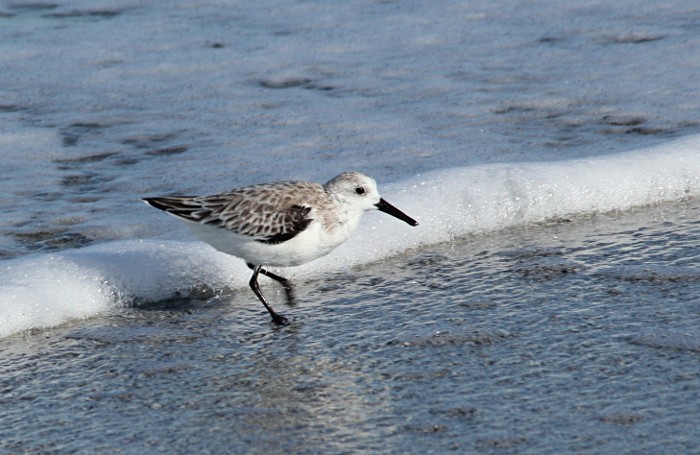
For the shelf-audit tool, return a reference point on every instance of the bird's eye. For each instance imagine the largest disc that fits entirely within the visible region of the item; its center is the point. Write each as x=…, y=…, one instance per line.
x=360, y=190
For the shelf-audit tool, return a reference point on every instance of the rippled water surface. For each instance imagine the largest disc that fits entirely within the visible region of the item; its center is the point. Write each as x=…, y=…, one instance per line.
x=106, y=101
x=576, y=335
x=579, y=335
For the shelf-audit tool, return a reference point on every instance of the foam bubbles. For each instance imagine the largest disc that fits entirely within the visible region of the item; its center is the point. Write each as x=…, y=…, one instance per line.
x=458, y=201
x=46, y=290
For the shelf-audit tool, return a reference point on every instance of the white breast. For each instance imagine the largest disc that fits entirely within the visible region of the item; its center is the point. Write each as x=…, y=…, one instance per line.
x=315, y=241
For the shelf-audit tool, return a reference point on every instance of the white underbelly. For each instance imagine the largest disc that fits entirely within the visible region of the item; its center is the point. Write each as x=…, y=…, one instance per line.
x=308, y=245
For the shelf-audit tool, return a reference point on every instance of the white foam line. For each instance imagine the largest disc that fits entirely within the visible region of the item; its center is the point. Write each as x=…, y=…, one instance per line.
x=46, y=290
x=454, y=202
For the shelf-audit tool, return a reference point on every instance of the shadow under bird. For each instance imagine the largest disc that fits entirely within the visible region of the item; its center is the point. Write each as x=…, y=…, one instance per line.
x=280, y=224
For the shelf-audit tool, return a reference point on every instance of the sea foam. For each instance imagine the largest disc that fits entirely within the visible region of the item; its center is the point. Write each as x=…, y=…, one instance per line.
x=49, y=289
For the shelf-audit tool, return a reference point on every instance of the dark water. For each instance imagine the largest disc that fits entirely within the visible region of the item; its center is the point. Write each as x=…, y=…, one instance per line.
x=579, y=335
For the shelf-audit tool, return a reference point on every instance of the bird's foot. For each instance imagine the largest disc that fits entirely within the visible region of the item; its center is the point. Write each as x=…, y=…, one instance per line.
x=280, y=320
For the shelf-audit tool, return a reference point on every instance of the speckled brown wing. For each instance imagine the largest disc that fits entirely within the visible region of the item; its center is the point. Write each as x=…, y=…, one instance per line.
x=269, y=213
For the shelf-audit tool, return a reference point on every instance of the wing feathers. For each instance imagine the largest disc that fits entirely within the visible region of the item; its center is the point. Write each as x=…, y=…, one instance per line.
x=271, y=216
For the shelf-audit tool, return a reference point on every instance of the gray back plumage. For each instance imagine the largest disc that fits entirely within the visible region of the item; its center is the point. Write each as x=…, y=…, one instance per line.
x=270, y=213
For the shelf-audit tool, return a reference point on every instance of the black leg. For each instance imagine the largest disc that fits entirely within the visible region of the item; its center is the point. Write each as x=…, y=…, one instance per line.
x=286, y=284
x=276, y=318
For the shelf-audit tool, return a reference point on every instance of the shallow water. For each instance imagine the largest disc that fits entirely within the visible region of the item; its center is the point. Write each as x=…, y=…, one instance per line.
x=577, y=335
x=106, y=101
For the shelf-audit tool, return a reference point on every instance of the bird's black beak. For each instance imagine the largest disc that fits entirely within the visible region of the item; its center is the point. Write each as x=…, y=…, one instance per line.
x=385, y=207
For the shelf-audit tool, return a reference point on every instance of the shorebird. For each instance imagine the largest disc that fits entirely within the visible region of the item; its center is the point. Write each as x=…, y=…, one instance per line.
x=280, y=224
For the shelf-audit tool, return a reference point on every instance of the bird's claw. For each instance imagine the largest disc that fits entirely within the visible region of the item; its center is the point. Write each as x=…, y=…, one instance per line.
x=280, y=320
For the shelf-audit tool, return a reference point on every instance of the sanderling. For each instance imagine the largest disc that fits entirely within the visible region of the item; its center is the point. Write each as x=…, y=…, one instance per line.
x=280, y=224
